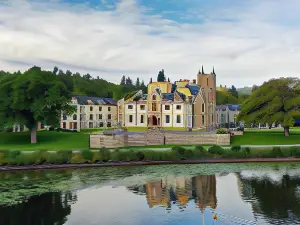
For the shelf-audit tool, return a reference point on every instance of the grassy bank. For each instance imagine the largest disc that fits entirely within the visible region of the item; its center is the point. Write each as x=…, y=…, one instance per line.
x=47, y=140
x=19, y=158
x=267, y=137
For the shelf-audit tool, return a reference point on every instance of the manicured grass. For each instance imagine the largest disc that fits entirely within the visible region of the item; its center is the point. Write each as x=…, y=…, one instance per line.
x=266, y=137
x=141, y=129
x=47, y=140
x=293, y=130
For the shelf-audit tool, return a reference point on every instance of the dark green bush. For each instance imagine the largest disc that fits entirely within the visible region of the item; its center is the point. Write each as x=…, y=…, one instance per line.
x=221, y=131
x=87, y=154
x=140, y=156
x=247, y=150
x=217, y=150
x=295, y=151
x=236, y=148
x=199, y=148
x=104, y=155
x=180, y=150
x=51, y=129
x=276, y=152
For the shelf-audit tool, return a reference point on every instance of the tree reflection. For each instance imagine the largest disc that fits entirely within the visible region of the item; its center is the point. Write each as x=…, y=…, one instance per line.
x=276, y=200
x=46, y=209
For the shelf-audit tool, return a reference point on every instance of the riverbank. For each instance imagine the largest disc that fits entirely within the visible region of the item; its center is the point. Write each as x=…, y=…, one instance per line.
x=144, y=163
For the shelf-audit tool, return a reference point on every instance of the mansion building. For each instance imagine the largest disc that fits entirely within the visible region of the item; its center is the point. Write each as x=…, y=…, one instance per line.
x=91, y=112
x=186, y=104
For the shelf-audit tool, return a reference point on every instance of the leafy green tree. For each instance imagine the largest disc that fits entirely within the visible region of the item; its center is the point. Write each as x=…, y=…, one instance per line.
x=233, y=91
x=161, y=76
x=277, y=100
x=33, y=96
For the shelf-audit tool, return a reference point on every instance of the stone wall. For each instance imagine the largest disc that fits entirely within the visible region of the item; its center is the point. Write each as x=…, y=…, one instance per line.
x=158, y=138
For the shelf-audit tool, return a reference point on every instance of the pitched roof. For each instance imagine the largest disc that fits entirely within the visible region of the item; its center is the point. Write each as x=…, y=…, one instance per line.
x=234, y=107
x=85, y=100
x=194, y=89
x=168, y=96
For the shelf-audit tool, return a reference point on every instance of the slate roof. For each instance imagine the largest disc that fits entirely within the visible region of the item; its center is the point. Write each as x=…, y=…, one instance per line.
x=83, y=100
x=221, y=107
x=168, y=96
x=234, y=107
x=194, y=89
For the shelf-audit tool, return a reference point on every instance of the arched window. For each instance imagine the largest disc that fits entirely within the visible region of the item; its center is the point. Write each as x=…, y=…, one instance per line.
x=74, y=117
x=153, y=97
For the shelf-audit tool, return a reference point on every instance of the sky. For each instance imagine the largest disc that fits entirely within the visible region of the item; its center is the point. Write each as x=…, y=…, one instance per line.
x=247, y=42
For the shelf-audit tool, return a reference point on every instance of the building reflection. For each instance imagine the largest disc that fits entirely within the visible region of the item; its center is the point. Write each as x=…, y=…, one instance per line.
x=180, y=191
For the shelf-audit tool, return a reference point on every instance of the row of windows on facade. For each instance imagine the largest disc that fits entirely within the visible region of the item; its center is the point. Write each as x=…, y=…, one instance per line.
x=100, y=117
x=100, y=108
x=167, y=107
x=167, y=119
x=91, y=125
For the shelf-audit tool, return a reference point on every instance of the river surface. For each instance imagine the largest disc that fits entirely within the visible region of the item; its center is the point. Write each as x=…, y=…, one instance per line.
x=148, y=195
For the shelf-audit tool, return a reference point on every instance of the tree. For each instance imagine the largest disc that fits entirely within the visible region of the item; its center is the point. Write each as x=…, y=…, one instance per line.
x=150, y=80
x=233, y=91
x=128, y=81
x=276, y=101
x=161, y=76
x=143, y=87
x=123, y=80
x=31, y=97
x=137, y=83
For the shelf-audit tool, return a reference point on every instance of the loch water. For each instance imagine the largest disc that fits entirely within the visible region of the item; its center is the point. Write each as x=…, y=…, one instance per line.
x=210, y=194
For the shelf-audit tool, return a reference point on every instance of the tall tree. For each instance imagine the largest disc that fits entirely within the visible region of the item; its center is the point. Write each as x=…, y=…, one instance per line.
x=276, y=101
x=143, y=87
x=32, y=97
x=128, y=81
x=161, y=76
x=150, y=80
x=123, y=80
x=233, y=91
x=137, y=83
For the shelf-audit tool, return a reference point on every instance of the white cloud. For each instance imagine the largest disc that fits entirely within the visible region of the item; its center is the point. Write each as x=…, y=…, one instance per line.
x=263, y=43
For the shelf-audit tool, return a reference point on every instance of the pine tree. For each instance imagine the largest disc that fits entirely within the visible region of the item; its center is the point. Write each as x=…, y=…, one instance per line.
x=123, y=80
x=128, y=81
x=161, y=76
x=137, y=83
x=143, y=87
x=150, y=80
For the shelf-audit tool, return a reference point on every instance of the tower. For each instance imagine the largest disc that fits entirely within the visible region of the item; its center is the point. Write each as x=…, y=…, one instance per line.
x=207, y=82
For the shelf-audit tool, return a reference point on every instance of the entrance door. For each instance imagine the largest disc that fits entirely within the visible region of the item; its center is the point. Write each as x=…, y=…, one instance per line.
x=154, y=121
x=70, y=125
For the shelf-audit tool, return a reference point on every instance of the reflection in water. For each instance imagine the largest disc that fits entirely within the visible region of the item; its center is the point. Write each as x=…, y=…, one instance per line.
x=46, y=209
x=146, y=196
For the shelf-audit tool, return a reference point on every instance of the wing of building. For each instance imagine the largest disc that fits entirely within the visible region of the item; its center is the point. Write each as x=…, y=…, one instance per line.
x=91, y=112
x=184, y=103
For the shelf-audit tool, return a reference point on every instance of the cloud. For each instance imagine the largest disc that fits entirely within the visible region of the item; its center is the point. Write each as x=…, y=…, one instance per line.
x=247, y=43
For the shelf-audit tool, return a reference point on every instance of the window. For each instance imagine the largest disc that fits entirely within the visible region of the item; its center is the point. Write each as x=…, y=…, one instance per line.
x=167, y=107
x=100, y=124
x=100, y=116
x=100, y=108
x=64, y=117
x=130, y=106
x=109, y=116
x=74, y=117
x=178, y=107
x=90, y=125
x=178, y=119
x=108, y=109
x=154, y=97
x=91, y=116
x=142, y=107
x=207, y=81
x=203, y=107
x=130, y=118
x=154, y=107
x=203, y=120
x=167, y=119
x=142, y=118
x=91, y=108
x=75, y=125
x=64, y=125
x=108, y=124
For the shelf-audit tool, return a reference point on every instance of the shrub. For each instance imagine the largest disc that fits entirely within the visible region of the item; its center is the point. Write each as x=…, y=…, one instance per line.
x=87, y=154
x=295, y=151
x=9, y=129
x=64, y=155
x=236, y=148
x=276, y=151
x=77, y=158
x=14, y=154
x=179, y=150
x=217, y=150
x=247, y=150
x=235, y=155
x=221, y=131
x=104, y=155
x=199, y=148
x=140, y=156
x=51, y=129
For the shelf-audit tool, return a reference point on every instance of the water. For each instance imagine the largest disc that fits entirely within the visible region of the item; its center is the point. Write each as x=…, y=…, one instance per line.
x=147, y=195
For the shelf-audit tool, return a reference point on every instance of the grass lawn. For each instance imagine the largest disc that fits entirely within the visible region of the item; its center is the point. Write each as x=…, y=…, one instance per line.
x=267, y=137
x=141, y=129
x=47, y=140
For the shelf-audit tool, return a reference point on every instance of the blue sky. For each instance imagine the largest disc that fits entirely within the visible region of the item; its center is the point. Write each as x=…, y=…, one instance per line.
x=247, y=42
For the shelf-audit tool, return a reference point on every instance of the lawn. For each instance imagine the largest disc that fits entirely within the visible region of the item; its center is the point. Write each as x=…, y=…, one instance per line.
x=267, y=137
x=47, y=140
x=141, y=129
